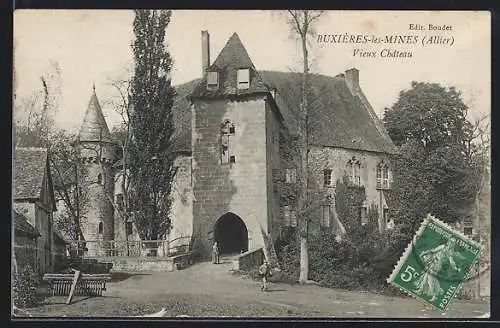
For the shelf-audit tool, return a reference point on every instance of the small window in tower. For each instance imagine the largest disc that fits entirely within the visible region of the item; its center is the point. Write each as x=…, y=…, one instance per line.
x=327, y=178
x=212, y=80
x=99, y=178
x=119, y=201
x=286, y=216
x=231, y=129
x=129, y=228
x=100, y=227
x=232, y=159
x=243, y=78
x=293, y=218
x=291, y=176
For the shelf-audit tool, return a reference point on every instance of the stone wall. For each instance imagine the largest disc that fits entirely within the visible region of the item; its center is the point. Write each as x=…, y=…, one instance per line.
x=249, y=260
x=145, y=264
x=98, y=207
x=181, y=213
x=273, y=165
x=240, y=188
x=336, y=159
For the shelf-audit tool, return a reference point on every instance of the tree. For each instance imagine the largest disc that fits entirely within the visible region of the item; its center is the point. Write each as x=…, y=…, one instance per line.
x=151, y=122
x=301, y=23
x=34, y=114
x=433, y=172
x=34, y=127
x=68, y=175
x=120, y=102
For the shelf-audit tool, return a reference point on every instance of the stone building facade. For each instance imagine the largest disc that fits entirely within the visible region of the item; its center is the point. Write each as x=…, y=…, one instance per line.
x=234, y=126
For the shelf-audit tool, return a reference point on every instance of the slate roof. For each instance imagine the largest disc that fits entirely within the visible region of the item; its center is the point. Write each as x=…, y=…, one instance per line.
x=58, y=238
x=22, y=225
x=67, y=178
x=337, y=118
x=231, y=58
x=29, y=166
x=182, y=114
x=94, y=127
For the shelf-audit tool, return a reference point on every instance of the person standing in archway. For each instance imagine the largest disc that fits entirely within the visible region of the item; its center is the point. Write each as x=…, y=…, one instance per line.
x=215, y=253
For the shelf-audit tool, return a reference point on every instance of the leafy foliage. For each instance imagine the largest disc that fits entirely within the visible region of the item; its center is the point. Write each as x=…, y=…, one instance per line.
x=68, y=177
x=34, y=126
x=363, y=260
x=433, y=172
x=25, y=288
x=151, y=122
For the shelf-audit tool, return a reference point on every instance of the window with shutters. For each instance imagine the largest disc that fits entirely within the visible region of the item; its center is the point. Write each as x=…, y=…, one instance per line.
x=353, y=169
x=243, y=78
x=212, y=80
x=383, y=176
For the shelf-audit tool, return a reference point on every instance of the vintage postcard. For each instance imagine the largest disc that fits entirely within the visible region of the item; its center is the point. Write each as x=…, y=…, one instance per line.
x=294, y=163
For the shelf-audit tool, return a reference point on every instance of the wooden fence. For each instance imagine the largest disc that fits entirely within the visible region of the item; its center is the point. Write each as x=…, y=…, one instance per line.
x=130, y=248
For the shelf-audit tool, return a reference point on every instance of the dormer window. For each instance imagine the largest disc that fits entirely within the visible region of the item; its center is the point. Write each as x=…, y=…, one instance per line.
x=212, y=80
x=243, y=78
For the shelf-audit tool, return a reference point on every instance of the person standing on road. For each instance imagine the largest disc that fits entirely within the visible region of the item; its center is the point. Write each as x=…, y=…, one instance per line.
x=265, y=273
x=215, y=253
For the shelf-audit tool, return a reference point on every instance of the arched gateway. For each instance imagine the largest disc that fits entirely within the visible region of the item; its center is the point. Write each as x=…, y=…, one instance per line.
x=231, y=234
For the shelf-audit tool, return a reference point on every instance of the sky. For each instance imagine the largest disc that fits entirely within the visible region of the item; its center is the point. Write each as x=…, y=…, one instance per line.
x=93, y=46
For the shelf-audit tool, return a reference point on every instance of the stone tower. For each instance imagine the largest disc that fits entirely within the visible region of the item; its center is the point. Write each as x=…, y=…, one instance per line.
x=98, y=151
x=235, y=125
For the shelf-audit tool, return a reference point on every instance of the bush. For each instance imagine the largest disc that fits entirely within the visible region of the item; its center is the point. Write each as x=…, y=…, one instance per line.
x=353, y=265
x=362, y=260
x=25, y=288
x=289, y=260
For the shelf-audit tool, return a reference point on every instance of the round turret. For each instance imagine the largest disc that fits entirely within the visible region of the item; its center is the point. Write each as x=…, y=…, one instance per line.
x=98, y=152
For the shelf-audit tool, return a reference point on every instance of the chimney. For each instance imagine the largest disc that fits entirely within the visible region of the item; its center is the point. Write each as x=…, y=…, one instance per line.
x=205, y=51
x=352, y=80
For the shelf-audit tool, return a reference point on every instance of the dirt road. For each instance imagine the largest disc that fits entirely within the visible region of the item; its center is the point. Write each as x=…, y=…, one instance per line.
x=210, y=290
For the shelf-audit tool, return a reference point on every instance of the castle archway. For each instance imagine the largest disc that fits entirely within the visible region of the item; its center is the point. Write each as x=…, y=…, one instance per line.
x=231, y=234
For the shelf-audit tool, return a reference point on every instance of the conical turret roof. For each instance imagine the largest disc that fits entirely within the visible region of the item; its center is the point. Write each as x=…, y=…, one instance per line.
x=94, y=127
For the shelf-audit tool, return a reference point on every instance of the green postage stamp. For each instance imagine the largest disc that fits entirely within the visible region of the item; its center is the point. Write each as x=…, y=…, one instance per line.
x=435, y=263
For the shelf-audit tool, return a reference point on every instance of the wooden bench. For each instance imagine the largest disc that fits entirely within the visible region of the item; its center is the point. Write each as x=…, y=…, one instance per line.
x=86, y=284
